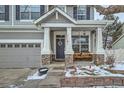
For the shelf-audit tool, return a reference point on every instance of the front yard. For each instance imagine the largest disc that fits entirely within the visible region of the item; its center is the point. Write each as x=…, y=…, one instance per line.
x=79, y=76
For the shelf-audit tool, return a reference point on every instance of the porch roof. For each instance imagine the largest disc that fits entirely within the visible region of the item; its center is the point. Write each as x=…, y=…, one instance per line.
x=56, y=9
x=74, y=22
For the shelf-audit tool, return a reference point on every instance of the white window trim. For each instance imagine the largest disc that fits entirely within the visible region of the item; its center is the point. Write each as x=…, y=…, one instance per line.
x=27, y=20
x=58, y=33
x=2, y=20
x=80, y=14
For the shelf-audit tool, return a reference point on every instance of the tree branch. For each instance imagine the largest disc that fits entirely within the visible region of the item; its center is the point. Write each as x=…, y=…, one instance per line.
x=109, y=10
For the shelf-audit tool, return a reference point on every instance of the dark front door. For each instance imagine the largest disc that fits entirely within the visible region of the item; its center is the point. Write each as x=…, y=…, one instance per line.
x=60, y=45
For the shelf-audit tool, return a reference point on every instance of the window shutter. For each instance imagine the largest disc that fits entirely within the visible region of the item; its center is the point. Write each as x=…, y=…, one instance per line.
x=88, y=13
x=17, y=12
x=6, y=12
x=75, y=13
x=42, y=9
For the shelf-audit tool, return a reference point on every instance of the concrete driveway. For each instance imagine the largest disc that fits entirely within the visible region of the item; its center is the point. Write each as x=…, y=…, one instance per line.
x=13, y=77
x=17, y=78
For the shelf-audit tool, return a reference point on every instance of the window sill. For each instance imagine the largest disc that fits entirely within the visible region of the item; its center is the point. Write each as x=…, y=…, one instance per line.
x=2, y=21
x=26, y=20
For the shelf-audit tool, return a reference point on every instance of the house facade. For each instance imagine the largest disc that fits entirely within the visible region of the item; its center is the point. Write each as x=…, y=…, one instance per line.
x=36, y=35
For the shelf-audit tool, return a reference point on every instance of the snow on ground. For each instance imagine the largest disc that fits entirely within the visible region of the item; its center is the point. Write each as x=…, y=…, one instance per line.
x=118, y=66
x=13, y=86
x=35, y=76
x=90, y=71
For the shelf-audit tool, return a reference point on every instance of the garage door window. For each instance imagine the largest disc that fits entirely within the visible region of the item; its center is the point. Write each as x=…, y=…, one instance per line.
x=16, y=45
x=23, y=45
x=30, y=45
x=9, y=45
x=2, y=45
x=37, y=45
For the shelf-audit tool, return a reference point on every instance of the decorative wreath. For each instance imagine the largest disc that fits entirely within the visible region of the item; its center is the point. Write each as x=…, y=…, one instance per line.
x=60, y=43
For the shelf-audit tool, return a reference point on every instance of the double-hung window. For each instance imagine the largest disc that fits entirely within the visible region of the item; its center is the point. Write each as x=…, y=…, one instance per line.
x=29, y=12
x=4, y=12
x=80, y=43
x=79, y=12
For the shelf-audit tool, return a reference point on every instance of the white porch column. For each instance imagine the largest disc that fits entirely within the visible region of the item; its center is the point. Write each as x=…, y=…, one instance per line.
x=99, y=42
x=47, y=45
x=99, y=56
x=68, y=48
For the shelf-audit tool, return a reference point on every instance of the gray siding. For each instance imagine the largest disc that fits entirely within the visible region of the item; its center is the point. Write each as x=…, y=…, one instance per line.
x=119, y=44
x=52, y=19
x=69, y=10
x=19, y=22
x=21, y=35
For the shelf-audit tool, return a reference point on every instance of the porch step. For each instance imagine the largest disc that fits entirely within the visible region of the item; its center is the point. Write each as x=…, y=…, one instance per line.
x=50, y=82
x=56, y=71
x=84, y=63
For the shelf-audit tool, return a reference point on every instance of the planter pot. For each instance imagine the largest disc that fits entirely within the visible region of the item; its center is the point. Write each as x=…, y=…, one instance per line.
x=42, y=71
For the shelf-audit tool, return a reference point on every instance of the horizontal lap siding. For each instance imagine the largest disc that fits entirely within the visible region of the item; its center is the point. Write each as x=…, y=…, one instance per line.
x=20, y=35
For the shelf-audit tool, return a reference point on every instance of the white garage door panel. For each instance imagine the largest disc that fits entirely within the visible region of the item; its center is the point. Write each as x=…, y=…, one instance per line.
x=19, y=52
x=20, y=57
x=19, y=61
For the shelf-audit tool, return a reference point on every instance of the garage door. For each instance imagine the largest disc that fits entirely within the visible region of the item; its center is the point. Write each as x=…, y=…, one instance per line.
x=19, y=55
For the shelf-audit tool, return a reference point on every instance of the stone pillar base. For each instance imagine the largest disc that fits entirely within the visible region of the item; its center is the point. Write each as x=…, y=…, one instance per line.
x=99, y=59
x=53, y=58
x=69, y=60
x=46, y=59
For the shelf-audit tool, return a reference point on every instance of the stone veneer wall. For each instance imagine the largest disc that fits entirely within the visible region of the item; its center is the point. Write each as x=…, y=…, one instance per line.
x=69, y=60
x=99, y=59
x=46, y=59
x=91, y=81
x=53, y=57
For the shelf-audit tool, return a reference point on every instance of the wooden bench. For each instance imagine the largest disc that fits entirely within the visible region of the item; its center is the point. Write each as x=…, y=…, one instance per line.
x=83, y=56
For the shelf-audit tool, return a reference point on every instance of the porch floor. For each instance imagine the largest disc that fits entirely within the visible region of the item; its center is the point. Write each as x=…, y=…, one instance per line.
x=62, y=64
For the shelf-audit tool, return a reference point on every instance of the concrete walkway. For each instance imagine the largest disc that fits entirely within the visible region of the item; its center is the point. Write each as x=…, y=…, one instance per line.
x=17, y=77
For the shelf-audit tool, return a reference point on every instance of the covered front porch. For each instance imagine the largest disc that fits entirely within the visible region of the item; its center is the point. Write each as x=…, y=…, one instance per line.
x=65, y=39
x=71, y=44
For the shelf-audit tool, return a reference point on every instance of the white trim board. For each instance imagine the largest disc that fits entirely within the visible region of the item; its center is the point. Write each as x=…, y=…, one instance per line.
x=21, y=41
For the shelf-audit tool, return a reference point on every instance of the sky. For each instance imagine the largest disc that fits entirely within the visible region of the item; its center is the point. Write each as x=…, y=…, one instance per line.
x=120, y=15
